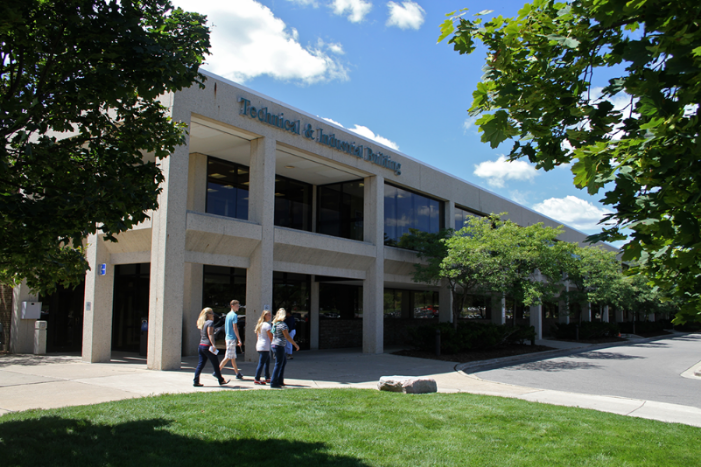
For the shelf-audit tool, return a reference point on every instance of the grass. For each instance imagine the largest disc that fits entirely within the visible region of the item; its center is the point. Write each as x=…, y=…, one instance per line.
x=340, y=427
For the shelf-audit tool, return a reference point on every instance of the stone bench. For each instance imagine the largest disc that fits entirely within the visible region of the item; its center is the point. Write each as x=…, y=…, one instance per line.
x=407, y=384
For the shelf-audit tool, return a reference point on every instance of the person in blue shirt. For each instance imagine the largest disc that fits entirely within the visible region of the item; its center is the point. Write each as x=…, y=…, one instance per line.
x=232, y=338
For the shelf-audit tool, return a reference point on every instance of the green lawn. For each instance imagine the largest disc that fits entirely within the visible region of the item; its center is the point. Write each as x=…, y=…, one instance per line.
x=340, y=427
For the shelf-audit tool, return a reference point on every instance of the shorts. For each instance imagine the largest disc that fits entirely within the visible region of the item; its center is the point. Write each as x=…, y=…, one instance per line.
x=230, y=349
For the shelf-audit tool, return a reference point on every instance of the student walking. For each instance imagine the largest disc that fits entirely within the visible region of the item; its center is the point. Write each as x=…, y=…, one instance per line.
x=265, y=337
x=232, y=338
x=280, y=337
x=204, y=324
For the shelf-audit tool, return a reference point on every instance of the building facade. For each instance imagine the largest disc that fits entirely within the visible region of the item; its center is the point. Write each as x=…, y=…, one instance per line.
x=270, y=205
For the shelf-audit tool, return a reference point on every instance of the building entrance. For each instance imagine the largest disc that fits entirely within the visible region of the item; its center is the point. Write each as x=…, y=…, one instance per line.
x=130, y=304
x=63, y=313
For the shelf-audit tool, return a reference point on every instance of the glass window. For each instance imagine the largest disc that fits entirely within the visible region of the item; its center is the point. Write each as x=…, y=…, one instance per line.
x=340, y=210
x=461, y=216
x=408, y=304
x=293, y=204
x=227, y=189
x=406, y=210
x=221, y=285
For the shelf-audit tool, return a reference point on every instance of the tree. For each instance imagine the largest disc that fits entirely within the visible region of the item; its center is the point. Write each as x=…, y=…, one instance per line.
x=539, y=90
x=79, y=83
x=489, y=255
x=594, y=273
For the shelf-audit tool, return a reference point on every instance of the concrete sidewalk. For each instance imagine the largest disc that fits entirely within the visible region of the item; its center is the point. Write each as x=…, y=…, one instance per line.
x=30, y=381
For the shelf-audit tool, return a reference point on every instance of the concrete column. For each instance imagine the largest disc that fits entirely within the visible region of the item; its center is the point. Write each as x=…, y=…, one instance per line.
x=97, y=305
x=21, y=330
x=314, y=316
x=445, y=303
x=586, y=312
x=167, y=282
x=536, y=318
x=651, y=317
x=499, y=309
x=373, y=285
x=449, y=207
x=261, y=210
x=197, y=183
x=192, y=299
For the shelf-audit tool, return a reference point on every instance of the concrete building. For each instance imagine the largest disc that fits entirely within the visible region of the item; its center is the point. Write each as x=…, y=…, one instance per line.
x=268, y=204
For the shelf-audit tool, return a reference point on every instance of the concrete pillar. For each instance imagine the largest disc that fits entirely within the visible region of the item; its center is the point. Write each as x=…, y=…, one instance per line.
x=605, y=314
x=21, y=330
x=536, y=320
x=586, y=312
x=449, y=211
x=97, y=304
x=314, y=316
x=261, y=210
x=499, y=309
x=192, y=299
x=167, y=282
x=373, y=285
x=651, y=317
x=197, y=183
x=445, y=303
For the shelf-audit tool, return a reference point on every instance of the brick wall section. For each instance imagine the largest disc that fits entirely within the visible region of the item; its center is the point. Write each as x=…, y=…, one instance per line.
x=5, y=315
x=346, y=333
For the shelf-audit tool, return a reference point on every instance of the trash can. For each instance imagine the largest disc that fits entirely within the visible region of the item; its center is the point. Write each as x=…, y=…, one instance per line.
x=143, y=343
x=40, y=328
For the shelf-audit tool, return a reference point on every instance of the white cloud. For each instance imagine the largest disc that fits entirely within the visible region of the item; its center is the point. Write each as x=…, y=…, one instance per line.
x=572, y=211
x=249, y=41
x=355, y=9
x=408, y=15
x=312, y=3
x=368, y=133
x=497, y=171
x=468, y=123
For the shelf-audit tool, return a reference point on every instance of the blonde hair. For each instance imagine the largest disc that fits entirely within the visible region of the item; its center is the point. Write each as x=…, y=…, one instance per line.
x=280, y=315
x=203, y=317
x=261, y=320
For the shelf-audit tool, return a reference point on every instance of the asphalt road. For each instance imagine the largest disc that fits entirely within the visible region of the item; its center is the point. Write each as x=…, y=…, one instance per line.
x=649, y=371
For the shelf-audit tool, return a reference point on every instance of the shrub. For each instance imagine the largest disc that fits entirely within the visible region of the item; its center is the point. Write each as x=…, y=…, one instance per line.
x=587, y=330
x=644, y=327
x=469, y=336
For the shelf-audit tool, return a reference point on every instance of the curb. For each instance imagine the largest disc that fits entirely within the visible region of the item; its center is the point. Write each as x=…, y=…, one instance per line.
x=535, y=356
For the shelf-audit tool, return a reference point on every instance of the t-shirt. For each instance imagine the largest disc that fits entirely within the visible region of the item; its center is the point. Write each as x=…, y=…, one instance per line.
x=231, y=319
x=263, y=343
x=278, y=335
x=204, y=339
x=290, y=322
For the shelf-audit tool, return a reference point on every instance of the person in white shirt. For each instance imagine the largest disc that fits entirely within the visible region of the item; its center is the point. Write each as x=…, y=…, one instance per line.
x=264, y=335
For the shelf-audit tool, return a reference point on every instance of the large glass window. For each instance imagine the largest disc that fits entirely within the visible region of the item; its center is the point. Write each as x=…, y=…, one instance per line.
x=406, y=210
x=461, y=216
x=293, y=293
x=340, y=210
x=222, y=285
x=410, y=304
x=293, y=203
x=129, y=304
x=227, y=188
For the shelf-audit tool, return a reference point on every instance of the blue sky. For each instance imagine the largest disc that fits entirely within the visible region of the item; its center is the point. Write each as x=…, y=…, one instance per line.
x=374, y=67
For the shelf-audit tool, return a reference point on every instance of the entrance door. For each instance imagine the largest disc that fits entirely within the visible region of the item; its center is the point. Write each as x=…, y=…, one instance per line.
x=63, y=313
x=130, y=305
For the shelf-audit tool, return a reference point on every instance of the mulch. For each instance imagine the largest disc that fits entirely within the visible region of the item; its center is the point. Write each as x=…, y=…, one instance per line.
x=476, y=355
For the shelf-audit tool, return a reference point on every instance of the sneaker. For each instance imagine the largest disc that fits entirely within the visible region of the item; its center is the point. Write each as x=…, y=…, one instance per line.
x=198, y=385
x=267, y=380
x=224, y=381
x=259, y=382
x=239, y=375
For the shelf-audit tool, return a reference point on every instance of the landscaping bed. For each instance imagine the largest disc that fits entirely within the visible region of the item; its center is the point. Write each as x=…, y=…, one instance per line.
x=476, y=355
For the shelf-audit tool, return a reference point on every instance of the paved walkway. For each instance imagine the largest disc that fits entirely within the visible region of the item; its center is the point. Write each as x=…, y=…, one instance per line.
x=30, y=381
